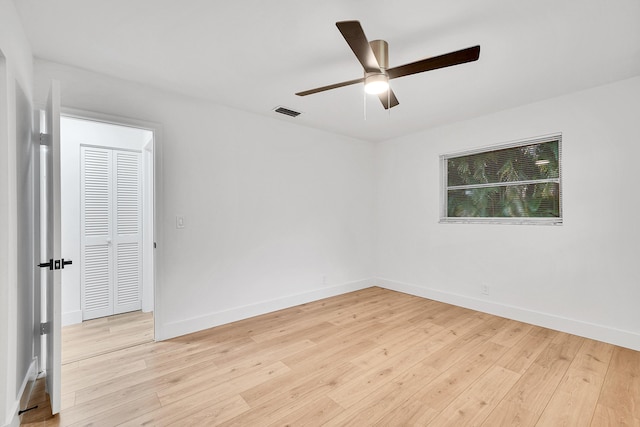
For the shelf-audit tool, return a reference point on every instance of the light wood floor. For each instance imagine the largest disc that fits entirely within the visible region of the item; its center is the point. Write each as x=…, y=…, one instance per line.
x=372, y=357
x=106, y=334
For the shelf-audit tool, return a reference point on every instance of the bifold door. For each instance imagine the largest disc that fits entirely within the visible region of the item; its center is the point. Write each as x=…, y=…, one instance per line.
x=111, y=231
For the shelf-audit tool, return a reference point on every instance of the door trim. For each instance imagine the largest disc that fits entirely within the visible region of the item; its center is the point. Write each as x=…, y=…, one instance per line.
x=156, y=129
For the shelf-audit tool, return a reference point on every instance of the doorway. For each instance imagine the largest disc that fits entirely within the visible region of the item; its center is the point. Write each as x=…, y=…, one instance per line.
x=49, y=212
x=101, y=281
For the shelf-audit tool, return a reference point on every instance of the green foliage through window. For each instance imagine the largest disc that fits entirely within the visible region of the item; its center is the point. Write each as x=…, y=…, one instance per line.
x=517, y=181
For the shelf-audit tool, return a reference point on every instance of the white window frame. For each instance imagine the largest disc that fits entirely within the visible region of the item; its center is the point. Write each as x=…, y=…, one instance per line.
x=444, y=188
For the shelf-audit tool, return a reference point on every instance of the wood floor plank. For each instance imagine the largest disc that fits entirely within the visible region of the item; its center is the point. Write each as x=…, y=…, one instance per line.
x=520, y=357
x=475, y=403
x=281, y=402
x=233, y=381
x=370, y=357
x=261, y=352
x=452, y=382
x=140, y=351
x=620, y=393
x=182, y=377
x=411, y=413
x=387, y=367
x=118, y=414
x=571, y=408
x=154, y=376
x=608, y=417
x=432, y=311
x=450, y=314
x=393, y=346
x=175, y=411
x=459, y=342
x=527, y=399
x=103, y=335
x=78, y=380
x=215, y=413
x=341, y=343
x=301, y=328
x=315, y=413
x=383, y=400
x=511, y=413
x=90, y=412
x=511, y=332
x=331, y=374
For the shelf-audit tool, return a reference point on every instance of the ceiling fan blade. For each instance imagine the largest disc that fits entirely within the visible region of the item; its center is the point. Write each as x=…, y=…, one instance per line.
x=448, y=59
x=354, y=35
x=329, y=87
x=388, y=101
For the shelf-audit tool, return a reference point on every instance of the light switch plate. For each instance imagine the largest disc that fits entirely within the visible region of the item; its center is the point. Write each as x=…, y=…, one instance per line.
x=179, y=221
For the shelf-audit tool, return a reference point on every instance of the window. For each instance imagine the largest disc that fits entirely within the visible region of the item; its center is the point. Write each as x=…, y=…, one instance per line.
x=515, y=183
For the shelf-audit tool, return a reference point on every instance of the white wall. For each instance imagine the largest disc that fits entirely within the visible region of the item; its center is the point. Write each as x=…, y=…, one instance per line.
x=271, y=208
x=27, y=294
x=581, y=277
x=74, y=133
x=15, y=75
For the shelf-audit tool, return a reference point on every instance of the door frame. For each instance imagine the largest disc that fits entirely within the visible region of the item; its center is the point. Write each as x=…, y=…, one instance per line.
x=157, y=259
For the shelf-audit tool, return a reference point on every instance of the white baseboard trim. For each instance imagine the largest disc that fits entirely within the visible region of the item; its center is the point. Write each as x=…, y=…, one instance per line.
x=71, y=317
x=15, y=422
x=603, y=333
x=187, y=326
x=24, y=393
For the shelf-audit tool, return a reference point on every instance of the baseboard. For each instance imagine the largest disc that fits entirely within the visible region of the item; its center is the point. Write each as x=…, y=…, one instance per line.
x=71, y=317
x=183, y=327
x=602, y=333
x=15, y=422
x=24, y=393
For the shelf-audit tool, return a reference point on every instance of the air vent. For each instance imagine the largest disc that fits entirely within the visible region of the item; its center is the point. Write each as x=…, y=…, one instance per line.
x=287, y=112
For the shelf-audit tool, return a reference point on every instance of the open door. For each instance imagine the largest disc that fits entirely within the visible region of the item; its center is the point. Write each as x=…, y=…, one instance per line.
x=53, y=265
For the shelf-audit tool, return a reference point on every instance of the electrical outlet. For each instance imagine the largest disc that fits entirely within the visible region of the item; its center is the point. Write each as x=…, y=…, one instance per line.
x=484, y=289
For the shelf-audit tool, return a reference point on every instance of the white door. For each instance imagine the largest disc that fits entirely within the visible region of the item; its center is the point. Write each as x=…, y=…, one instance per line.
x=127, y=236
x=53, y=265
x=111, y=231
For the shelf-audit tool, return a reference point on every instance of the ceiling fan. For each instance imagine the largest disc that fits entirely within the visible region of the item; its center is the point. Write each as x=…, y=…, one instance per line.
x=374, y=57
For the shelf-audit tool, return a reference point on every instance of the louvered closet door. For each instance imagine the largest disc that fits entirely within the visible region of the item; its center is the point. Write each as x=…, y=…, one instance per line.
x=127, y=232
x=111, y=221
x=95, y=217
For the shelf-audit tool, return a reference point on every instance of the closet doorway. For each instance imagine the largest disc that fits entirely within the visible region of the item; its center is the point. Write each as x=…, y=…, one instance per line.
x=110, y=231
x=107, y=189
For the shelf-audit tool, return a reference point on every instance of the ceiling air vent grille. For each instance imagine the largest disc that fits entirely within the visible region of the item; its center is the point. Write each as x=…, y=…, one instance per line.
x=287, y=111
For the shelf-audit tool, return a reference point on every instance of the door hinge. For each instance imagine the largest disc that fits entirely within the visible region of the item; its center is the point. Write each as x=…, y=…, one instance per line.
x=45, y=328
x=44, y=139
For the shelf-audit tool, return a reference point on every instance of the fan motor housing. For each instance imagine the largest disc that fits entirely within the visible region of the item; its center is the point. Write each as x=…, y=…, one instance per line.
x=381, y=51
x=378, y=81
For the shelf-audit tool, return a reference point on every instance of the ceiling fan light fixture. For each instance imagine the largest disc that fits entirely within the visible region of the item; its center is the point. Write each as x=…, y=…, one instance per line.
x=376, y=83
x=374, y=58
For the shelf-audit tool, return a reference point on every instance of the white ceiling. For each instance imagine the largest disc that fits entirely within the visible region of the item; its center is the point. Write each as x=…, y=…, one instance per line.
x=254, y=54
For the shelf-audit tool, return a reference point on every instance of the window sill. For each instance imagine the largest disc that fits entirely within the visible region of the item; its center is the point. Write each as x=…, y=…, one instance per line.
x=509, y=221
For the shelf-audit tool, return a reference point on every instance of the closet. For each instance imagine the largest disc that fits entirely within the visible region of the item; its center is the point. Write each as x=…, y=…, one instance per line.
x=111, y=231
